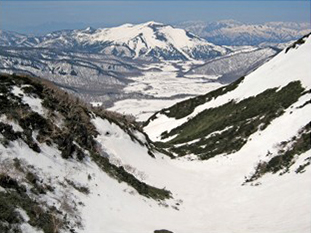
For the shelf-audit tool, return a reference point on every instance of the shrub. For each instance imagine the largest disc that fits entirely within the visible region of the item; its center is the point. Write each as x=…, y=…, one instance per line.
x=79, y=188
x=162, y=231
x=285, y=157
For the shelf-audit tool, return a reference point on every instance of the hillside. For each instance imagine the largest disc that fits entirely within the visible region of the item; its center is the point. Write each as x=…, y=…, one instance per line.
x=225, y=120
x=54, y=153
x=230, y=67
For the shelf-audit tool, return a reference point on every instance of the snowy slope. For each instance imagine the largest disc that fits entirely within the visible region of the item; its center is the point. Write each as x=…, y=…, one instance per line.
x=55, y=152
x=280, y=71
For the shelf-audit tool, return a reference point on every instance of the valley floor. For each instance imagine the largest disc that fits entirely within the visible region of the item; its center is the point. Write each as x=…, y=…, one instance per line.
x=163, y=88
x=208, y=196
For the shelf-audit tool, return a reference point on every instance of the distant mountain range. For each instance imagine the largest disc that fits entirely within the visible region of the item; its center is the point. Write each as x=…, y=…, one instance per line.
x=151, y=40
x=186, y=39
x=232, y=32
x=157, y=41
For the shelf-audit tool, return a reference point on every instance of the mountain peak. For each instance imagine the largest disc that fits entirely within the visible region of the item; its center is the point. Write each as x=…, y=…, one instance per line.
x=153, y=23
x=151, y=40
x=127, y=25
x=89, y=30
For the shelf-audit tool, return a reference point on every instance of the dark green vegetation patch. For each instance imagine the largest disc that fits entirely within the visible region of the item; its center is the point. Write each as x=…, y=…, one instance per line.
x=297, y=43
x=15, y=197
x=121, y=175
x=225, y=129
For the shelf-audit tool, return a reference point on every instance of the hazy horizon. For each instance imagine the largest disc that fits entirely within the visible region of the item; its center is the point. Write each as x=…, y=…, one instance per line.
x=39, y=17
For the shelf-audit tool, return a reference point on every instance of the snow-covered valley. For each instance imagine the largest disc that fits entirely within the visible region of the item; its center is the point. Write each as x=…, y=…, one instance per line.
x=233, y=158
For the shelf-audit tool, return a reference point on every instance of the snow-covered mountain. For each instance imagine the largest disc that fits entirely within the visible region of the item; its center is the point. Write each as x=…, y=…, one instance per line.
x=14, y=39
x=232, y=32
x=66, y=167
x=149, y=40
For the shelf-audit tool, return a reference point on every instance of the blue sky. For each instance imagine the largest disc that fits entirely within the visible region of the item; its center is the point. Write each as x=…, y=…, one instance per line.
x=43, y=16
